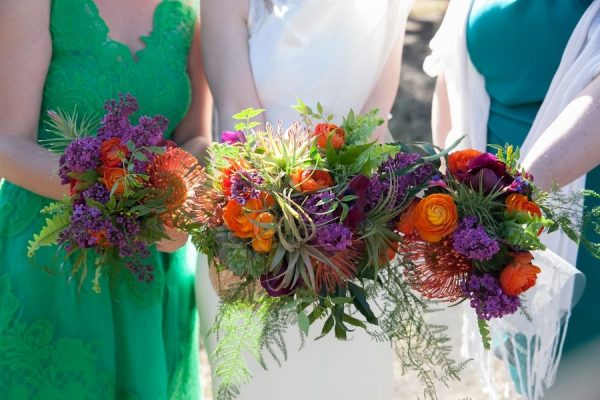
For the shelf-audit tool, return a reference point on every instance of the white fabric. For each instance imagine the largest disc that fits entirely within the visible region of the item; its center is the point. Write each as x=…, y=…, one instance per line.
x=550, y=301
x=332, y=52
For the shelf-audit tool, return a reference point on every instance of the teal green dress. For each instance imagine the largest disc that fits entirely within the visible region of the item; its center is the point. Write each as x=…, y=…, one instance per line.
x=517, y=46
x=133, y=340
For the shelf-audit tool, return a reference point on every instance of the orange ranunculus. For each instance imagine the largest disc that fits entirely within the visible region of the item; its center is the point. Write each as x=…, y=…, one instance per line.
x=516, y=202
x=112, y=152
x=519, y=275
x=112, y=176
x=263, y=237
x=311, y=180
x=406, y=224
x=458, y=162
x=436, y=217
x=323, y=131
x=239, y=218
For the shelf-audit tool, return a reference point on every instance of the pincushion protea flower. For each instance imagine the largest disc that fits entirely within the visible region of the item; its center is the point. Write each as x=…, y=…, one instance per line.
x=343, y=267
x=178, y=174
x=435, y=270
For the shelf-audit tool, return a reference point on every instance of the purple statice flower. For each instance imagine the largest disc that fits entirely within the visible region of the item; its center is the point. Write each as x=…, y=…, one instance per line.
x=319, y=206
x=391, y=175
x=487, y=297
x=375, y=190
x=244, y=186
x=81, y=155
x=148, y=132
x=471, y=240
x=85, y=223
x=97, y=192
x=233, y=137
x=334, y=238
x=116, y=121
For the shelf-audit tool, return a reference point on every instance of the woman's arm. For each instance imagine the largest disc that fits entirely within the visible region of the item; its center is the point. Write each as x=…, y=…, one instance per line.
x=227, y=59
x=194, y=132
x=570, y=147
x=25, y=51
x=440, y=113
x=386, y=88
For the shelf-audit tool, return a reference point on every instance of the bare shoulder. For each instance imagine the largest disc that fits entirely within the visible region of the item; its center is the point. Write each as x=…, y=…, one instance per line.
x=17, y=16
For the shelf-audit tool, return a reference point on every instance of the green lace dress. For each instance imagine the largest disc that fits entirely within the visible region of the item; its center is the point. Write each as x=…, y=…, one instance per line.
x=134, y=341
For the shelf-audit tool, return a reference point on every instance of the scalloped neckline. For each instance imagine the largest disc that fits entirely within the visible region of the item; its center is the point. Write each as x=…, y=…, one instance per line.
x=134, y=56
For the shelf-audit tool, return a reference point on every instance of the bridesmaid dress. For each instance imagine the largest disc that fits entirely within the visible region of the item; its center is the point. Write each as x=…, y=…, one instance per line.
x=333, y=52
x=133, y=340
x=518, y=66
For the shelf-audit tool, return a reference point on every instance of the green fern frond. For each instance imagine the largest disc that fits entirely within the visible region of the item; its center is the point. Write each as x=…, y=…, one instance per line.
x=48, y=236
x=484, y=331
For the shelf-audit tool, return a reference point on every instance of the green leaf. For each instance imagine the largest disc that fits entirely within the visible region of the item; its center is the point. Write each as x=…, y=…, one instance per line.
x=303, y=322
x=353, y=321
x=130, y=146
x=349, y=156
x=484, y=331
x=240, y=126
x=360, y=302
x=138, y=155
x=48, y=236
x=326, y=327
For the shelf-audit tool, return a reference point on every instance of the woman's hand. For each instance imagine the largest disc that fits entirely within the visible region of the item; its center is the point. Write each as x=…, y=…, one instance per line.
x=177, y=239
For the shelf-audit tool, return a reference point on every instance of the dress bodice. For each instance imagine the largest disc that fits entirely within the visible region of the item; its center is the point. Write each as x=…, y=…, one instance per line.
x=89, y=68
x=517, y=46
x=331, y=51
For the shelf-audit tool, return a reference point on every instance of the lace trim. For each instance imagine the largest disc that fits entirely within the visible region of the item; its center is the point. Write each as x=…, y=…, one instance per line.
x=37, y=365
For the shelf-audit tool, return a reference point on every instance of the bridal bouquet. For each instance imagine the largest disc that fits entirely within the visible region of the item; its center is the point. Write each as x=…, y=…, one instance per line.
x=304, y=222
x=127, y=183
x=470, y=235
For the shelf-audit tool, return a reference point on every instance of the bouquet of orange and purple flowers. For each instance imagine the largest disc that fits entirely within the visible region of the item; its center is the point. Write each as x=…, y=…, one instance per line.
x=127, y=183
x=305, y=219
x=470, y=236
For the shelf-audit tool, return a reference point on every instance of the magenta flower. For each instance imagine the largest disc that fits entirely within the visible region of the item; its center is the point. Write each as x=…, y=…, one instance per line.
x=486, y=172
x=233, y=137
x=358, y=186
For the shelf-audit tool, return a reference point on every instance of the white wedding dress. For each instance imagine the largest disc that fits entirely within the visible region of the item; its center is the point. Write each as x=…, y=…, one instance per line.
x=332, y=52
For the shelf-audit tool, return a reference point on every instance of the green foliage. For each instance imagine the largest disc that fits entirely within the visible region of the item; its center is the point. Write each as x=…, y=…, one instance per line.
x=48, y=236
x=66, y=128
x=521, y=229
x=243, y=327
x=421, y=347
x=484, y=331
x=487, y=208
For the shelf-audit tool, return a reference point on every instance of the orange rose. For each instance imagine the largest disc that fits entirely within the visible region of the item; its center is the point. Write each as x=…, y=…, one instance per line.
x=520, y=203
x=458, y=162
x=263, y=237
x=519, y=275
x=112, y=152
x=406, y=224
x=112, y=176
x=311, y=180
x=323, y=131
x=436, y=217
x=239, y=218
